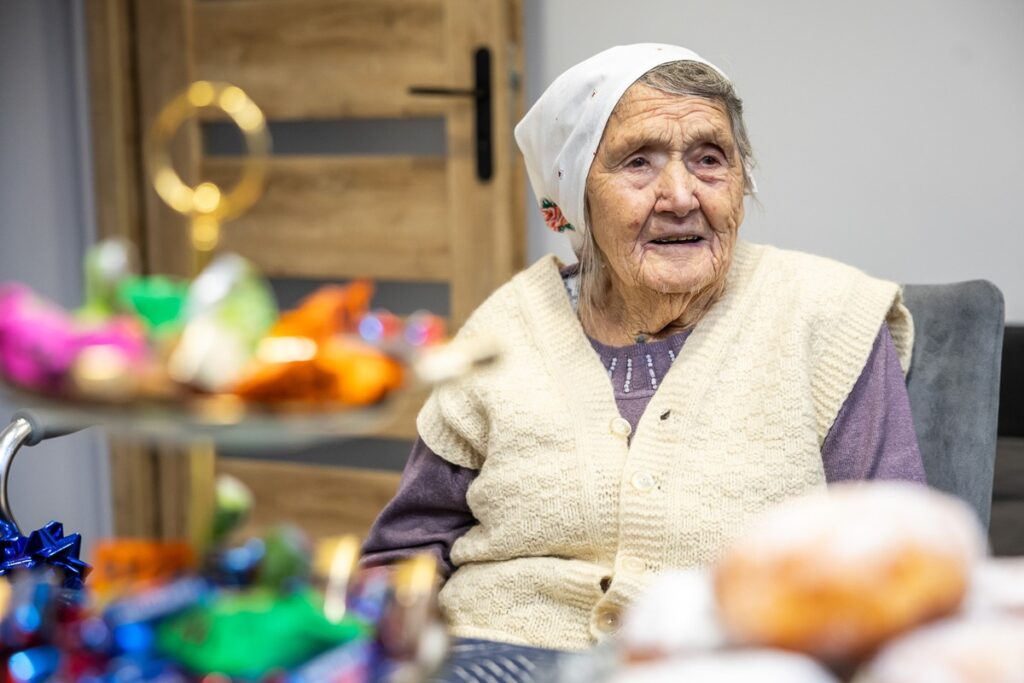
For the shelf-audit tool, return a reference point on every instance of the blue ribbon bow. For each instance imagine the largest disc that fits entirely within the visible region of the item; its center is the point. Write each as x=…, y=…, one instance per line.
x=47, y=546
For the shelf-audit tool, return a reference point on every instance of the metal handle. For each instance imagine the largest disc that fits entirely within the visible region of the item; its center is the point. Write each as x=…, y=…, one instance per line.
x=481, y=94
x=11, y=439
x=26, y=428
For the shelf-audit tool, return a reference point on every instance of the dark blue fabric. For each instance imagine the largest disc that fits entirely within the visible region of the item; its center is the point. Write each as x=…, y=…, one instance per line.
x=485, y=661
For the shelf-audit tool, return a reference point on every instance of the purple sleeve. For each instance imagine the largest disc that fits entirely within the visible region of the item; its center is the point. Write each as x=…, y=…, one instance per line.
x=873, y=435
x=428, y=514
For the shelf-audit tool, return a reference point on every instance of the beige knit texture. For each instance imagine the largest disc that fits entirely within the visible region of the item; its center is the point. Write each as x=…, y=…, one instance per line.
x=563, y=501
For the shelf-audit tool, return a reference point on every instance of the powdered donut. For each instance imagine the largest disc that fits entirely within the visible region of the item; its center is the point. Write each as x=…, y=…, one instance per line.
x=740, y=666
x=675, y=615
x=957, y=651
x=997, y=587
x=835, y=574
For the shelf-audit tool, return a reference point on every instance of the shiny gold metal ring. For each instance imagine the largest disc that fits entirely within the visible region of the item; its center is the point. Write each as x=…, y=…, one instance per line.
x=207, y=204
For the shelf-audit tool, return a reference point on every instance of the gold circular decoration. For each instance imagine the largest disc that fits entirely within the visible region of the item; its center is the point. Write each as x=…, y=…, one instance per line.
x=207, y=204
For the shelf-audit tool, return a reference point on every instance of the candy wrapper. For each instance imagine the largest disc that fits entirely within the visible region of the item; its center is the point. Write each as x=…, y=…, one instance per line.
x=37, y=340
x=201, y=346
x=340, y=370
x=329, y=311
x=127, y=565
x=266, y=608
x=156, y=300
x=107, y=265
x=195, y=626
x=281, y=631
x=233, y=504
x=228, y=309
x=312, y=354
x=40, y=344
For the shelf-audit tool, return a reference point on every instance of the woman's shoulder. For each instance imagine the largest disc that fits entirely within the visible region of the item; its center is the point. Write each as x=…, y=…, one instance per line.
x=836, y=300
x=529, y=287
x=802, y=266
x=817, y=281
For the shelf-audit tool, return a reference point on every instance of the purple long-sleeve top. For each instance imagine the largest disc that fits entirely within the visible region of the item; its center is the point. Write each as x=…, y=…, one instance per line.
x=872, y=438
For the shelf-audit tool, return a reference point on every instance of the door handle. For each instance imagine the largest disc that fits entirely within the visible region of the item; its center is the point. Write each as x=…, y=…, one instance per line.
x=483, y=123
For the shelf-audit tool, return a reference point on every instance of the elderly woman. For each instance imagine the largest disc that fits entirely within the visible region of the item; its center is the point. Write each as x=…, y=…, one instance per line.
x=653, y=398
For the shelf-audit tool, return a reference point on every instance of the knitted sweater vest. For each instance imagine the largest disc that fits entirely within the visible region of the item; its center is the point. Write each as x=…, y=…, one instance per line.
x=574, y=515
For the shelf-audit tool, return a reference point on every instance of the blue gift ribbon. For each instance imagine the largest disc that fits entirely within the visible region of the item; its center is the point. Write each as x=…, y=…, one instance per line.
x=47, y=546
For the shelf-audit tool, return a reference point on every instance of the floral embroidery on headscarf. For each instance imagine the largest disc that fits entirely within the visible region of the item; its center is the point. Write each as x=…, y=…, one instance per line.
x=553, y=216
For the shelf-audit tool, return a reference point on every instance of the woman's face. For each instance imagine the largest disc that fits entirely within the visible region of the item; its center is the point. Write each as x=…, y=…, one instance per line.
x=665, y=191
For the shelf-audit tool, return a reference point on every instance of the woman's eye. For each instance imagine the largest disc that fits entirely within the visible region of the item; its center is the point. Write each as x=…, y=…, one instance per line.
x=637, y=162
x=709, y=160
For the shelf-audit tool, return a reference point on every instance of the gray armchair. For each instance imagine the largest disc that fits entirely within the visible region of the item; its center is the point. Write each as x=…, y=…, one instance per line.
x=954, y=385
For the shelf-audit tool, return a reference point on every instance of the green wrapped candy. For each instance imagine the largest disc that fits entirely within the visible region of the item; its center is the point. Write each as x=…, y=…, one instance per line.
x=249, y=635
x=229, y=309
x=232, y=292
x=286, y=561
x=233, y=504
x=106, y=265
x=157, y=300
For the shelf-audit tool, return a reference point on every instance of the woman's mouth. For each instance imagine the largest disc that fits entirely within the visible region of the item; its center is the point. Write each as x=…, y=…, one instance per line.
x=688, y=239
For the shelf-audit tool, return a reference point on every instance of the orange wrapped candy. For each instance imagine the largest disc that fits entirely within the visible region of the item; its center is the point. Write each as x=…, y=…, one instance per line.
x=326, y=312
x=124, y=564
x=306, y=359
x=361, y=374
x=342, y=371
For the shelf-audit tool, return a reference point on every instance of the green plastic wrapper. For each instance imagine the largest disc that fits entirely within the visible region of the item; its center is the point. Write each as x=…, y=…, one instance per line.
x=287, y=558
x=250, y=309
x=157, y=300
x=233, y=504
x=248, y=635
x=231, y=292
x=229, y=308
x=106, y=266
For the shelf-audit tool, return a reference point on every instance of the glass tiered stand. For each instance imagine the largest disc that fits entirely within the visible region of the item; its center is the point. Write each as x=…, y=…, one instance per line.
x=202, y=421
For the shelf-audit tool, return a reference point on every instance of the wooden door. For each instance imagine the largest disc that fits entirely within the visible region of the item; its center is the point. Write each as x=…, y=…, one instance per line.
x=409, y=218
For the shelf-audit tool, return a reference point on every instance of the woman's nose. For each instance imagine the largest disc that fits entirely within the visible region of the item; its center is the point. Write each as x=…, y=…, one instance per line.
x=676, y=190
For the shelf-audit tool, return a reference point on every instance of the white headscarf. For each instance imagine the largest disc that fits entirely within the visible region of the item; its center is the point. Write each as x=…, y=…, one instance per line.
x=560, y=134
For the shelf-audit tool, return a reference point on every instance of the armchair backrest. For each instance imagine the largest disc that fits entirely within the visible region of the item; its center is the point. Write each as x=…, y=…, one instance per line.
x=954, y=385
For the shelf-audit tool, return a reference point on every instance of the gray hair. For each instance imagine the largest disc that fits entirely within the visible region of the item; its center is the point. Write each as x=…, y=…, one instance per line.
x=691, y=79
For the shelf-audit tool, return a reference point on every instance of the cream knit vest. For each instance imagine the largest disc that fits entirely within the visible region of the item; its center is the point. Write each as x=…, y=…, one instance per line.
x=573, y=518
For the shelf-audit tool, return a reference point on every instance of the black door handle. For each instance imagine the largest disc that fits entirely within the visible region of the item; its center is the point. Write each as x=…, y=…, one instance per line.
x=481, y=94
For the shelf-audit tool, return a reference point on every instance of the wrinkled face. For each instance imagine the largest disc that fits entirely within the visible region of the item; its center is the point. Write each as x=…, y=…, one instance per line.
x=665, y=192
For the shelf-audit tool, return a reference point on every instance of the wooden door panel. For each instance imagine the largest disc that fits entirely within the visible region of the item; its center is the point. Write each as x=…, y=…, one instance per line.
x=325, y=217
x=487, y=230
x=324, y=501
x=303, y=59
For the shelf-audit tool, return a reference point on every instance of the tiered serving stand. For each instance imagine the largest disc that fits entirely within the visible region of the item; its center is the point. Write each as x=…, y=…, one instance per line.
x=198, y=422
x=203, y=422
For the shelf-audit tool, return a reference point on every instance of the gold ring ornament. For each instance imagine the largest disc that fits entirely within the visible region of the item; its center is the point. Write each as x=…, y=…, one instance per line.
x=206, y=204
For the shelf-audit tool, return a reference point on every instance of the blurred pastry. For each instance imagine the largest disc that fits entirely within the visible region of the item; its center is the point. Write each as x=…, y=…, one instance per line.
x=997, y=587
x=836, y=574
x=675, y=615
x=739, y=666
x=957, y=651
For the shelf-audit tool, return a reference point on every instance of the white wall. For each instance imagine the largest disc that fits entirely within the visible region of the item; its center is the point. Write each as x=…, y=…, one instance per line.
x=888, y=132
x=45, y=221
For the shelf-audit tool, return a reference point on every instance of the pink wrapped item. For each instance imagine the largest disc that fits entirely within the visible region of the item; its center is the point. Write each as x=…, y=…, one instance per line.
x=39, y=341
